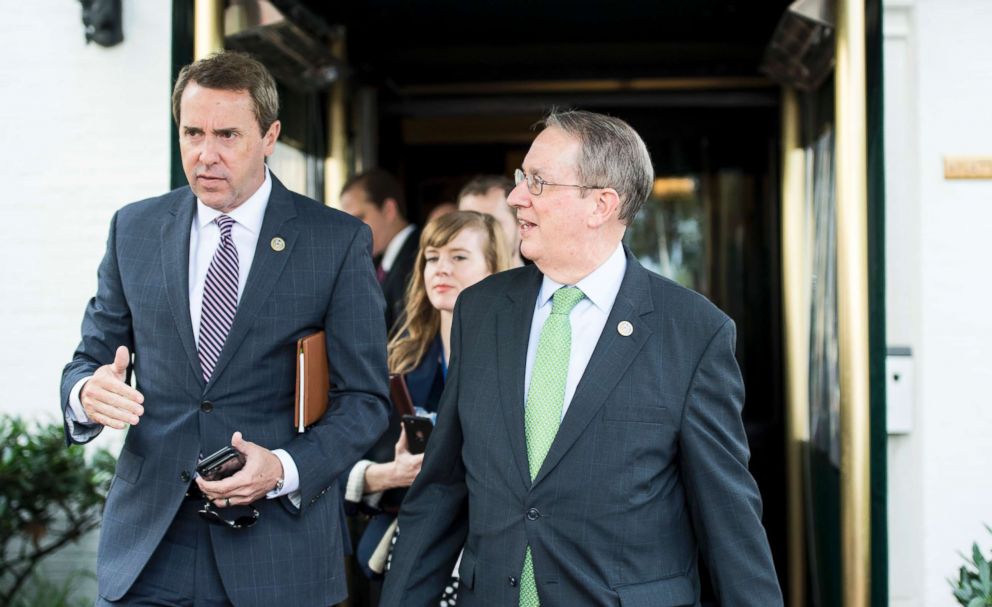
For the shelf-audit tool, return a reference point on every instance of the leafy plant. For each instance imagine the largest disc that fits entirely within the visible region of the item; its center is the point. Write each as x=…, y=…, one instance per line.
x=973, y=588
x=42, y=592
x=49, y=496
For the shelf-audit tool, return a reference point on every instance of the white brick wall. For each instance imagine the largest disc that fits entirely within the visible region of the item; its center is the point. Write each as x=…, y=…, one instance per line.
x=955, y=86
x=938, y=86
x=85, y=130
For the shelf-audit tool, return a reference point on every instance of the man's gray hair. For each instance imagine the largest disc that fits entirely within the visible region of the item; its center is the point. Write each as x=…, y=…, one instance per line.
x=613, y=155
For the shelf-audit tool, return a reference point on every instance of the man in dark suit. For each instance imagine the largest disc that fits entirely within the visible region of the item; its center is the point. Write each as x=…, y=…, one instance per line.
x=589, y=442
x=377, y=198
x=203, y=293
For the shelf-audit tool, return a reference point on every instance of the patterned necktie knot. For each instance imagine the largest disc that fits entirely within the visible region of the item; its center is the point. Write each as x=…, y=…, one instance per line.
x=225, y=223
x=565, y=299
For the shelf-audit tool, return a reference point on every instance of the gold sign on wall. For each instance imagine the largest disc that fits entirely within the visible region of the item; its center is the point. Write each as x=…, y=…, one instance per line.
x=967, y=167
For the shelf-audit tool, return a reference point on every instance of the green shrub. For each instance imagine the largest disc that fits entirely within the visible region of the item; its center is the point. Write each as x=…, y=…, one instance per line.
x=42, y=592
x=973, y=588
x=50, y=496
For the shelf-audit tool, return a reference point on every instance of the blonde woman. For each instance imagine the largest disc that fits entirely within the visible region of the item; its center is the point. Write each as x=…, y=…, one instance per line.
x=456, y=251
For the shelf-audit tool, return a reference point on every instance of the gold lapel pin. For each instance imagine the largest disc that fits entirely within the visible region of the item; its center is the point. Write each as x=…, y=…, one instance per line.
x=625, y=328
x=277, y=244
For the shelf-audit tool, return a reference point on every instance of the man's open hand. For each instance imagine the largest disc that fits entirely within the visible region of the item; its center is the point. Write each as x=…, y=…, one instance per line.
x=107, y=400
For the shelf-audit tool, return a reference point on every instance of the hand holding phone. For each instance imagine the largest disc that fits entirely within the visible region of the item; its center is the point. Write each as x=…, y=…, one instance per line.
x=221, y=464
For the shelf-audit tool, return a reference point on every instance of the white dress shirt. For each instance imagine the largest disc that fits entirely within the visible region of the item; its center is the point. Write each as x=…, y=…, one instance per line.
x=203, y=242
x=588, y=318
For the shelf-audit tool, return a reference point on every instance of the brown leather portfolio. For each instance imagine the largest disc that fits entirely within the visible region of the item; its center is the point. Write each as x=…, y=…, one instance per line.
x=312, y=380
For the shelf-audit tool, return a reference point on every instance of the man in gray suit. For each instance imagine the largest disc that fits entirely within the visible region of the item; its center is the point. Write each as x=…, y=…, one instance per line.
x=203, y=293
x=589, y=442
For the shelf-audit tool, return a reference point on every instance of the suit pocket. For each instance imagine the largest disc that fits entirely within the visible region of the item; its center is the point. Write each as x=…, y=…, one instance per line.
x=466, y=570
x=670, y=592
x=644, y=415
x=129, y=466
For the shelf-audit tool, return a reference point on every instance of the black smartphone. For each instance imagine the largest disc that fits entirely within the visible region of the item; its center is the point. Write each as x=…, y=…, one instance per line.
x=418, y=430
x=221, y=464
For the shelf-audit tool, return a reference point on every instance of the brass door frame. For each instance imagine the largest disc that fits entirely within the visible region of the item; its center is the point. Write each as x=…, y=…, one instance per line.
x=335, y=164
x=850, y=123
x=208, y=27
x=795, y=318
x=850, y=102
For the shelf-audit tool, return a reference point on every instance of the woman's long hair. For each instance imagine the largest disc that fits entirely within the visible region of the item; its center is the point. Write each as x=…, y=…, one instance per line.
x=421, y=320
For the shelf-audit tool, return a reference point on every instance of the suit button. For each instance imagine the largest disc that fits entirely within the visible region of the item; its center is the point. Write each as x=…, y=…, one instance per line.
x=533, y=514
x=513, y=581
x=206, y=406
x=184, y=476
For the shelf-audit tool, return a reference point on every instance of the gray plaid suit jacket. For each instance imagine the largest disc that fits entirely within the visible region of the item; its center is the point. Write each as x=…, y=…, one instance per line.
x=648, y=469
x=323, y=279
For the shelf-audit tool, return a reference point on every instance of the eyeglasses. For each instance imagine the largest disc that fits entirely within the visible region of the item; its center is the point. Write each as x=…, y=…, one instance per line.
x=535, y=185
x=242, y=522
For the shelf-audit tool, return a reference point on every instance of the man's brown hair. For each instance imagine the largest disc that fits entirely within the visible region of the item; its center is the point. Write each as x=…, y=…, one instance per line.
x=378, y=185
x=481, y=184
x=232, y=71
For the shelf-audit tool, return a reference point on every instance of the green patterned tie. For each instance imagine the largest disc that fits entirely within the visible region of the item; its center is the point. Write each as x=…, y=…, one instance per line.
x=545, y=400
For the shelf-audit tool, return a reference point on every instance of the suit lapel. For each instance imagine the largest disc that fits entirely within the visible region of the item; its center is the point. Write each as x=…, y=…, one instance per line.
x=266, y=267
x=512, y=334
x=609, y=362
x=175, y=265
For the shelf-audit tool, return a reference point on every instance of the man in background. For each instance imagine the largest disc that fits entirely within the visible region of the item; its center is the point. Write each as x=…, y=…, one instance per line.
x=376, y=197
x=202, y=294
x=487, y=194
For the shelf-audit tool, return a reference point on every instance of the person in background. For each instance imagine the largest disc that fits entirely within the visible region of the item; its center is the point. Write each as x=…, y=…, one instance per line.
x=456, y=251
x=589, y=447
x=376, y=197
x=202, y=294
x=441, y=208
x=487, y=194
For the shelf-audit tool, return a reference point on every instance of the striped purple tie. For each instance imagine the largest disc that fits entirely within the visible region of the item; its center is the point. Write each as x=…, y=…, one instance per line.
x=220, y=298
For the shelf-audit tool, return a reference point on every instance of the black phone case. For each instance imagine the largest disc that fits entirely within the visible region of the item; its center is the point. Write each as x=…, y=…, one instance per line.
x=220, y=464
x=418, y=430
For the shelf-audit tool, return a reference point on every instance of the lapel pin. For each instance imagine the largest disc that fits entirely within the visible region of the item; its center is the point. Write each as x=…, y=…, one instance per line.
x=277, y=244
x=625, y=328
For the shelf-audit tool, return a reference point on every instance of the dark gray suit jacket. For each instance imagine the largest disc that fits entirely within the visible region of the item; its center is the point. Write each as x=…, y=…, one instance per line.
x=649, y=467
x=394, y=287
x=323, y=279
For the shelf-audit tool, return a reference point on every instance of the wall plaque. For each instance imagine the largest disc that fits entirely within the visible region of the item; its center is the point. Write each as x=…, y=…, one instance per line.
x=967, y=167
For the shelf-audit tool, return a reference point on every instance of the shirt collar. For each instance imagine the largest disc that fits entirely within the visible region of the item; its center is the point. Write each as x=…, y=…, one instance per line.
x=394, y=246
x=600, y=286
x=248, y=214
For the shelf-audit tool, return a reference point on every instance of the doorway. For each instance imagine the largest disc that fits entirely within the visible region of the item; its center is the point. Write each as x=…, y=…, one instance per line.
x=456, y=92
x=446, y=91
